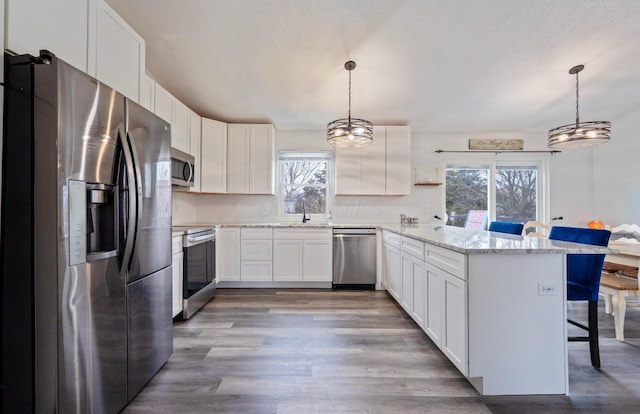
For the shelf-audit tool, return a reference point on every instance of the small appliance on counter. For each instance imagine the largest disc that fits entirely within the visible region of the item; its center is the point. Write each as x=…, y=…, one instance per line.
x=199, y=284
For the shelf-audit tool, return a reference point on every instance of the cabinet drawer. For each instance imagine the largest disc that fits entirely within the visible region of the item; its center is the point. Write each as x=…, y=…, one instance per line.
x=412, y=246
x=176, y=244
x=256, y=250
x=301, y=234
x=451, y=262
x=258, y=233
x=390, y=238
x=256, y=271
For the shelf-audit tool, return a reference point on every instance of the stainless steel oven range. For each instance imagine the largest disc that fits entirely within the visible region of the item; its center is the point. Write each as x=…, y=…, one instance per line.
x=199, y=282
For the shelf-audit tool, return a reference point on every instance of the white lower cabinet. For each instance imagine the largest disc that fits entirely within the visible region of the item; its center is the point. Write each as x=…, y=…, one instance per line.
x=177, y=275
x=434, y=290
x=317, y=260
x=302, y=255
x=419, y=292
x=228, y=254
x=287, y=260
x=393, y=270
x=406, y=295
x=436, y=299
x=454, y=338
x=256, y=254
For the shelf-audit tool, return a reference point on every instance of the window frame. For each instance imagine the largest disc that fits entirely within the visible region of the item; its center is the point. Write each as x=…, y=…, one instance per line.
x=505, y=160
x=309, y=155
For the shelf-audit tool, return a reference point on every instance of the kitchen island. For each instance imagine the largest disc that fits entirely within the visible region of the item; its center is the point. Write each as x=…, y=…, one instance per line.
x=493, y=303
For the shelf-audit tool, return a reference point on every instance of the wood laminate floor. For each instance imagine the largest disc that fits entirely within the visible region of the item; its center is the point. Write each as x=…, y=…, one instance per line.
x=321, y=351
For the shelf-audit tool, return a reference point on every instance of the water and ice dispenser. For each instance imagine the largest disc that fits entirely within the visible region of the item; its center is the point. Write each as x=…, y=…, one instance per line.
x=93, y=221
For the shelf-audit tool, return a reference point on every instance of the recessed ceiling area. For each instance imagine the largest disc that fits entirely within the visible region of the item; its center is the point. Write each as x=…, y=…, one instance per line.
x=490, y=65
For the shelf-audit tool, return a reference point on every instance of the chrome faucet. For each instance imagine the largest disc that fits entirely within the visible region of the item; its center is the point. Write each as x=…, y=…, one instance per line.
x=304, y=212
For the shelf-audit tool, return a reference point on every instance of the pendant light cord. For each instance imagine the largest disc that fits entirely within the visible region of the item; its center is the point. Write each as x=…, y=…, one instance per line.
x=577, y=105
x=349, y=116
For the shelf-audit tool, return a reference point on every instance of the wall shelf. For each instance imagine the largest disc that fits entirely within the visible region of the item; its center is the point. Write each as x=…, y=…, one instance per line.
x=427, y=184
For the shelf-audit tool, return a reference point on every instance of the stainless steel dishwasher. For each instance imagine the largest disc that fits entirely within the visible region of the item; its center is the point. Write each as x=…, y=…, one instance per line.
x=354, y=258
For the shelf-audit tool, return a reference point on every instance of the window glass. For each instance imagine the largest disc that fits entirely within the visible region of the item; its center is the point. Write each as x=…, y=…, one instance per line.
x=501, y=191
x=467, y=190
x=304, y=182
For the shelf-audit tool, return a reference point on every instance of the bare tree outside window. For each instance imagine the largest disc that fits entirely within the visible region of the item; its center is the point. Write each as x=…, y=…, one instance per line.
x=516, y=189
x=304, y=179
x=467, y=189
x=516, y=193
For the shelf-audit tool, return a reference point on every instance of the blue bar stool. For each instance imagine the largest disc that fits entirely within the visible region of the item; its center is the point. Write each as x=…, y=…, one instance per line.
x=583, y=279
x=506, y=227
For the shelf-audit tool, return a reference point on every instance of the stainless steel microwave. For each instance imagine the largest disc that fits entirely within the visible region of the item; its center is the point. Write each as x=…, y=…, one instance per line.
x=183, y=168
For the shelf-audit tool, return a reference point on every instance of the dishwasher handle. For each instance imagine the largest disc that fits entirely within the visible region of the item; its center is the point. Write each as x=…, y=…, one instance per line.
x=348, y=236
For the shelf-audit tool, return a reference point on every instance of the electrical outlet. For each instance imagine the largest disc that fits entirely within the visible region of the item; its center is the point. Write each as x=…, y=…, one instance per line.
x=548, y=289
x=236, y=205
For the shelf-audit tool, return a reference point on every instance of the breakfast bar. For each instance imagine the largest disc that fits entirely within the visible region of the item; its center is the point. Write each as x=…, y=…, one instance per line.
x=493, y=303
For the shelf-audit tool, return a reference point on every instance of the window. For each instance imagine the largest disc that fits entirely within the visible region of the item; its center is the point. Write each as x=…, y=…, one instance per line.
x=304, y=183
x=507, y=190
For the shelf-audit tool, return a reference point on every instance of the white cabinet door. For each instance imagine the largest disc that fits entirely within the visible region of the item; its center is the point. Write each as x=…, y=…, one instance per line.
x=261, y=159
x=256, y=249
x=163, y=103
x=434, y=286
x=394, y=270
x=213, y=157
x=372, y=164
x=228, y=254
x=147, y=93
x=195, y=130
x=119, y=53
x=61, y=27
x=454, y=339
x=406, y=289
x=419, y=290
x=238, y=158
x=398, y=160
x=381, y=168
x=256, y=271
x=180, y=117
x=347, y=168
x=287, y=260
x=316, y=263
x=177, y=282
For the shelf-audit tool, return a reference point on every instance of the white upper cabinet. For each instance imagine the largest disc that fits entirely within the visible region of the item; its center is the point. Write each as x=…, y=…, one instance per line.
x=250, y=158
x=147, y=93
x=163, y=103
x=180, y=119
x=61, y=27
x=213, y=157
x=195, y=132
x=398, y=160
x=380, y=168
x=116, y=53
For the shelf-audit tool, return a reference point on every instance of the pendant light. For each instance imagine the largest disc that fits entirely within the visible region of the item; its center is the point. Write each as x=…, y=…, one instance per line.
x=349, y=132
x=580, y=134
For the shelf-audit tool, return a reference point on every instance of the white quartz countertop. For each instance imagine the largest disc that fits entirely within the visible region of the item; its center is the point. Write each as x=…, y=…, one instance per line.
x=484, y=242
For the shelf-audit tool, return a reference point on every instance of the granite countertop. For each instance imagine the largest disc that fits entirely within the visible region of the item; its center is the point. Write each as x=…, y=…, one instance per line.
x=484, y=242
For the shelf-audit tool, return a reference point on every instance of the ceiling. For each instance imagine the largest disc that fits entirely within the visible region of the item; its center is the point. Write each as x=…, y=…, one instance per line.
x=486, y=65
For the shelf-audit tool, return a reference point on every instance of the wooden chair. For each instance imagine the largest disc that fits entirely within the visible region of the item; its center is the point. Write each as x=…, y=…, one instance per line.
x=583, y=279
x=618, y=282
x=540, y=229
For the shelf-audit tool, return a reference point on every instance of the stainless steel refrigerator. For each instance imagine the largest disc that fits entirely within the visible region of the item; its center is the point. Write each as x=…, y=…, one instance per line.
x=86, y=242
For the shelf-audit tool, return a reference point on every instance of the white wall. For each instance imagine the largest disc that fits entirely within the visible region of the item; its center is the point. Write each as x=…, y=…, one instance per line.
x=584, y=182
x=616, y=178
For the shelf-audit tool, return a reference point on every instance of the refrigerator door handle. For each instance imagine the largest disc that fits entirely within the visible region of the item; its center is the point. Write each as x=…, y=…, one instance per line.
x=131, y=208
x=138, y=187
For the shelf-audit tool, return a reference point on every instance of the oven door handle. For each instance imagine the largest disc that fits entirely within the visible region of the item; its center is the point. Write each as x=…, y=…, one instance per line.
x=192, y=241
